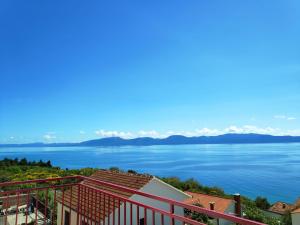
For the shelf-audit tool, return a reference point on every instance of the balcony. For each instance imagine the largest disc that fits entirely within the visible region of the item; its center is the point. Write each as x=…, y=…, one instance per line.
x=79, y=200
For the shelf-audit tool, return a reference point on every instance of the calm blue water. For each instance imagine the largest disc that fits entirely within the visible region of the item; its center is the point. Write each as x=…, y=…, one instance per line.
x=271, y=170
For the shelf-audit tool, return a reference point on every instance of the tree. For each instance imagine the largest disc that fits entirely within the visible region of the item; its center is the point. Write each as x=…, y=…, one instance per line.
x=287, y=218
x=23, y=162
x=262, y=203
x=49, y=163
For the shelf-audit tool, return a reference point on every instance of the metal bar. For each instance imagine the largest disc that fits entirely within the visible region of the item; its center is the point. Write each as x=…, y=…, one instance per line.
x=172, y=212
x=36, y=206
x=130, y=213
x=125, y=206
x=88, y=217
x=100, y=203
x=153, y=217
x=114, y=209
x=54, y=207
x=62, y=206
x=108, y=214
x=27, y=208
x=119, y=211
x=85, y=206
x=7, y=202
x=17, y=208
x=104, y=209
x=145, y=216
x=46, y=207
x=162, y=219
x=137, y=214
x=78, y=202
x=80, y=205
x=94, y=205
x=70, y=207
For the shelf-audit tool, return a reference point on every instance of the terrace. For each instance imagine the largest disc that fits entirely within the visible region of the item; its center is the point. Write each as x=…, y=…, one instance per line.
x=79, y=200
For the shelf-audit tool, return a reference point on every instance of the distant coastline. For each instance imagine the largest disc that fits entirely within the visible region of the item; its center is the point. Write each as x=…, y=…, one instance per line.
x=171, y=140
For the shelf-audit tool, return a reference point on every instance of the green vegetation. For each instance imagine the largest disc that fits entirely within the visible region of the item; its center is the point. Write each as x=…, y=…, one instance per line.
x=20, y=170
x=200, y=217
x=262, y=203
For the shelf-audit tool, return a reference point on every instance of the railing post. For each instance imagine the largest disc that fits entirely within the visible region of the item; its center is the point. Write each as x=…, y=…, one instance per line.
x=78, y=204
x=212, y=207
x=238, y=207
x=172, y=212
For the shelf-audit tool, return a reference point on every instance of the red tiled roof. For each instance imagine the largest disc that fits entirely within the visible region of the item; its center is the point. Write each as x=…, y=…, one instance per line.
x=221, y=204
x=296, y=210
x=95, y=205
x=281, y=207
x=123, y=179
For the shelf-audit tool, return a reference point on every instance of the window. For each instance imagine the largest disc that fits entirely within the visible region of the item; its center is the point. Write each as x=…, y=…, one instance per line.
x=142, y=221
x=67, y=218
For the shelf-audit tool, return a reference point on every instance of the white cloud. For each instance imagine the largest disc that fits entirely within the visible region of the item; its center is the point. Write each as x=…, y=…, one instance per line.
x=104, y=133
x=81, y=132
x=150, y=133
x=284, y=117
x=291, y=118
x=246, y=129
x=49, y=136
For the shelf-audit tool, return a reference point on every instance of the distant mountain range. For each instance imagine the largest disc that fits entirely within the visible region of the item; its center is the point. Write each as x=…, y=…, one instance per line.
x=172, y=140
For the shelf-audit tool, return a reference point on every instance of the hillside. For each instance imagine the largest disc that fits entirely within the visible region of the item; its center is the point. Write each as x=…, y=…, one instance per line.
x=172, y=140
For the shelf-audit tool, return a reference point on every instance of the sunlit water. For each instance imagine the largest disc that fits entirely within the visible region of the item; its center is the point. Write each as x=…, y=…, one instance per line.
x=271, y=170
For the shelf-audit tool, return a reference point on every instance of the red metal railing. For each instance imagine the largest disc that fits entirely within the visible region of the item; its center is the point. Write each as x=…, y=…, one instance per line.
x=79, y=200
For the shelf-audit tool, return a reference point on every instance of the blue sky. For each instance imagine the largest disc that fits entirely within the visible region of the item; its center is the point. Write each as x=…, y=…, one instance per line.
x=77, y=70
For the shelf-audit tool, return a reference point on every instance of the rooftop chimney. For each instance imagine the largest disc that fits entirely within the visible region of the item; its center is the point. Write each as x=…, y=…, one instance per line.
x=238, y=208
x=212, y=206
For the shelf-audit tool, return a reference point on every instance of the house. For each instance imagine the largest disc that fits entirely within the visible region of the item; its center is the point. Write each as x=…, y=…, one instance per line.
x=281, y=208
x=107, y=210
x=296, y=216
x=218, y=204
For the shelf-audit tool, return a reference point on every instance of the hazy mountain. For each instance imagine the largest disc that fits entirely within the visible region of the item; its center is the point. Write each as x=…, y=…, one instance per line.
x=172, y=140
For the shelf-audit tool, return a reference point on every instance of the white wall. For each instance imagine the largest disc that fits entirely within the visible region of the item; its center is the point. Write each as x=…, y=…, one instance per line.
x=73, y=215
x=157, y=187
x=296, y=218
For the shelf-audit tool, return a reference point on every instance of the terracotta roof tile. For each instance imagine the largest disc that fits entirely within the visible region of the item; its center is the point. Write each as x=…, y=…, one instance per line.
x=281, y=207
x=296, y=210
x=221, y=204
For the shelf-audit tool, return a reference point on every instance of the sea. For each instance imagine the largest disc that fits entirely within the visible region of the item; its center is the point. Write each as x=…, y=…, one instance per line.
x=268, y=170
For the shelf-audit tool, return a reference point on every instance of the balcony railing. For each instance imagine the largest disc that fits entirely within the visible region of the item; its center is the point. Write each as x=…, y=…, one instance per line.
x=79, y=200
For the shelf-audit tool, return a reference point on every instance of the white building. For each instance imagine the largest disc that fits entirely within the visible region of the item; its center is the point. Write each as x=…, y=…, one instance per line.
x=296, y=217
